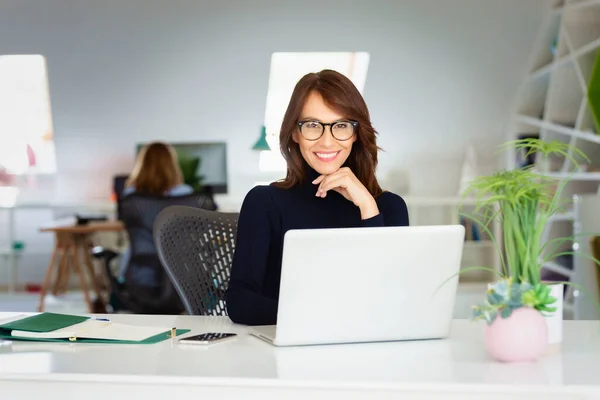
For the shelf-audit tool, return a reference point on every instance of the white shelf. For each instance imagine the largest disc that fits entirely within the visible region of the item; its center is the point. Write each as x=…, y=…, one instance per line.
x=564, y=60
x=101, y=205
x=576, y=176
x=565, y=216
x=553, y=103
x=438, y=201
x=565, y=130
x=577, y=6
x=559, y=269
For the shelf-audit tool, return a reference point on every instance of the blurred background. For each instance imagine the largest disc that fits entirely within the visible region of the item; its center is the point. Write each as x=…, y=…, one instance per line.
x=85, y=84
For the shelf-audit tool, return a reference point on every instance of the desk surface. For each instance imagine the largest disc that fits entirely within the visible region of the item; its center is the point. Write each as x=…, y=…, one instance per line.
x=68, y=226
x=456, y=365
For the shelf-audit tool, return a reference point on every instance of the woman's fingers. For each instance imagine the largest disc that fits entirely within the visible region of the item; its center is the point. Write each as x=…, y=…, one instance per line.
x=345, y=183
x=325, y=181
x=319, y=179
x=329, y=184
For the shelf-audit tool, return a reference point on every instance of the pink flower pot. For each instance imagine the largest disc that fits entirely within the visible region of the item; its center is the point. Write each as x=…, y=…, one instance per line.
x=521, y=337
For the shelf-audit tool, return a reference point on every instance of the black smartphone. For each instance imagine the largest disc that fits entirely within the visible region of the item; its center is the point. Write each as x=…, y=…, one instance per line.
x=207, y=338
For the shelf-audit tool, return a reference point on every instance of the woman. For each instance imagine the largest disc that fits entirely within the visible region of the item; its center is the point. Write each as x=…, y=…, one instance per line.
x=330, y=148
x=156, y=172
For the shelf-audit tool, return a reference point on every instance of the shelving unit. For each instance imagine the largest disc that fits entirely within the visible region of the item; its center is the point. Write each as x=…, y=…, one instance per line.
x=553, y=103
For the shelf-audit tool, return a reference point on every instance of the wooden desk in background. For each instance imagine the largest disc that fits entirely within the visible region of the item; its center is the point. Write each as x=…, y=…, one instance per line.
x=72, y=244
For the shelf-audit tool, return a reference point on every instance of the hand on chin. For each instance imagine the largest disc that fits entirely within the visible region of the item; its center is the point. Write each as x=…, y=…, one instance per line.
x=343, y=181
x=348, y=185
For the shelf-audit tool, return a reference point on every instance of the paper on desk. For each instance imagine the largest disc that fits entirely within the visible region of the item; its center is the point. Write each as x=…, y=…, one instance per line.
x=94, y=329
x=13, y=319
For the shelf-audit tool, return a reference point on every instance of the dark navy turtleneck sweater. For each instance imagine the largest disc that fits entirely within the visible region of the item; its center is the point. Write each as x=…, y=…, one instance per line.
x=267, y=213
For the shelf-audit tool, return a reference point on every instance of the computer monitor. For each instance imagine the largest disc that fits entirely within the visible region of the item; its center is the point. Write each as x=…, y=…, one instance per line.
x=213, y=161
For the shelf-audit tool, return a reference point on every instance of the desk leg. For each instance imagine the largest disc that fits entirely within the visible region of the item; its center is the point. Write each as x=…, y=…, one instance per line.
x=79, y=272
x=48, y=276
x=87, y=260
x=84, y=246
x=62, y=274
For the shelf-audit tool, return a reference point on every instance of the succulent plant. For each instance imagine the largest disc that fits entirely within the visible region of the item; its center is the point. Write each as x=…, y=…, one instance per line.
x=506, y=295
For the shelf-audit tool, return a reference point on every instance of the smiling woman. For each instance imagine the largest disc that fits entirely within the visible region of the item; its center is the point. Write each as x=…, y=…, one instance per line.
x=333, y=150
x=330, y=150
x=285, y=71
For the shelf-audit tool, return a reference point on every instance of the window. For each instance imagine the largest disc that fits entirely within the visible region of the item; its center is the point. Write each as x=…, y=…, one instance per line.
x=286, y=71
x=26, y=132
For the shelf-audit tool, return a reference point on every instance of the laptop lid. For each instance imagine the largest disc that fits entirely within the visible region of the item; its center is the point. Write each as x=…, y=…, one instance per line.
x=368, y=284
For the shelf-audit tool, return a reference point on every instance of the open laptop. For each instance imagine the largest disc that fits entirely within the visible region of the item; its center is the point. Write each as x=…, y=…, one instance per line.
x=366, y=285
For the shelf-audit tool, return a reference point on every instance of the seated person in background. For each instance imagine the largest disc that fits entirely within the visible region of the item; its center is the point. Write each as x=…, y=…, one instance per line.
x=157, y=172
x=331, y=152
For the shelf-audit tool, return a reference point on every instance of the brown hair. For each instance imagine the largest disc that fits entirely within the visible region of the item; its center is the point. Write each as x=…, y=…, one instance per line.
x=339, y=94
x=156, y=170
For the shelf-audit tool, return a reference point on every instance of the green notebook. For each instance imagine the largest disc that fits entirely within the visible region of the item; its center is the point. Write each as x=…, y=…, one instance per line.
x=45, y=322
x=49, y=322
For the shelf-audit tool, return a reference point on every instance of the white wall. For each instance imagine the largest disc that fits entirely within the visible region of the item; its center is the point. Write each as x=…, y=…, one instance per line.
x=123, y=71
x=442, y=73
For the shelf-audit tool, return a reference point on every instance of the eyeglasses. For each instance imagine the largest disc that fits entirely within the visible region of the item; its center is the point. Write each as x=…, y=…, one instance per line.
x=340, y=130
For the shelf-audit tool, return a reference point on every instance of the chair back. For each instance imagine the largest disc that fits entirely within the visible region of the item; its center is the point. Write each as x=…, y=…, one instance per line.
x=196, y=247
x=148, y=285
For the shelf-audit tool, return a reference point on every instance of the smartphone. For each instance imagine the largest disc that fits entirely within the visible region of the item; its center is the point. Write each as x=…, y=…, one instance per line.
x=208, y=338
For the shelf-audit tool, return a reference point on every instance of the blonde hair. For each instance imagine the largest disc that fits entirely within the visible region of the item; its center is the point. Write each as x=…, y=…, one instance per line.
x=156, y=170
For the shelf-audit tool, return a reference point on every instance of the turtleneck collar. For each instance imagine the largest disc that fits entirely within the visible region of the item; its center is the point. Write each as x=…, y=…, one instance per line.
x=311, y=175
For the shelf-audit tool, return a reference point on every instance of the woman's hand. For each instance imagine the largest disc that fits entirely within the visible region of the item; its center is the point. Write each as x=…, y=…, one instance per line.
x=347, y=184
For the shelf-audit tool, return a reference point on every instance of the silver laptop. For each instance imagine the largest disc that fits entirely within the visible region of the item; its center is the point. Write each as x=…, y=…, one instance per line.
x=366, y=285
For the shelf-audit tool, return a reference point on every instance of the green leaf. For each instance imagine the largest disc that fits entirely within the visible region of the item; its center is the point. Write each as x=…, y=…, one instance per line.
x=506, y=312
x=462, y=271
x=529, y=298
x=523, y=201
x=484, y=226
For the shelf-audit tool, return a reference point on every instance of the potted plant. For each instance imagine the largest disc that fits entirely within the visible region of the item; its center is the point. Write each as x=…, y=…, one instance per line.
x=520, y=307
x=189, y=166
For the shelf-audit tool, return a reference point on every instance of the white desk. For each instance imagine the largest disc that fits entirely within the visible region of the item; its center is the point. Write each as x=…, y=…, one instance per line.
x=245, y=368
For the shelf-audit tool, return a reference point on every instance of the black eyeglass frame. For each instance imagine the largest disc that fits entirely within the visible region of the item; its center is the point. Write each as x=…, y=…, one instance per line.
x=331, y=124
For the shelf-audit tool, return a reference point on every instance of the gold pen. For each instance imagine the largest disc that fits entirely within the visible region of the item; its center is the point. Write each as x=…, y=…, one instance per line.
x=173, y=332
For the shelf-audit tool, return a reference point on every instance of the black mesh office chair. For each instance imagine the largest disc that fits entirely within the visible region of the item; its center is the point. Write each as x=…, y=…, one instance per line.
x=146, y=288
x=196, y=247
